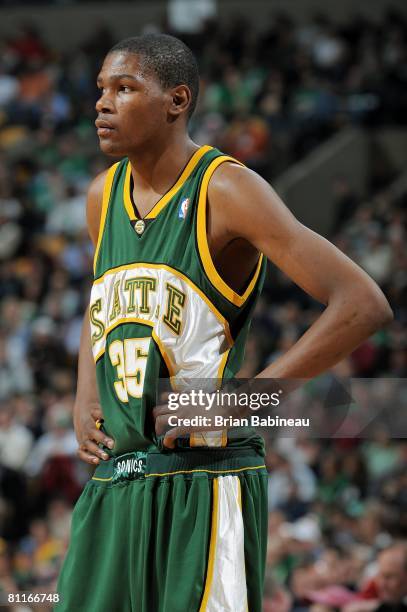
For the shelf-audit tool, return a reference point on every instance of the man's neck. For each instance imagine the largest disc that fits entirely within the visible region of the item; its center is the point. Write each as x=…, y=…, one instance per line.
x=157, y=169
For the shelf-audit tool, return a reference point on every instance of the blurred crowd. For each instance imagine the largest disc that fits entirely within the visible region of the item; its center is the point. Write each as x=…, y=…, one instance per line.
x=267, y=96
x=337, y=507
x=337, y=526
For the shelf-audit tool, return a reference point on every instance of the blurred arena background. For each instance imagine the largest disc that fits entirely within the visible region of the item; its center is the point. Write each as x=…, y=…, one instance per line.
x=313, y=96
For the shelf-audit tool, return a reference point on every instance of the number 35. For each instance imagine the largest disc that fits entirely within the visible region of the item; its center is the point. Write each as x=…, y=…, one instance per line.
x=129, y=357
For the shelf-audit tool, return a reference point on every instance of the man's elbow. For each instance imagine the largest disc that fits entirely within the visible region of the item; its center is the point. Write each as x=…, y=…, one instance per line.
x=376, y=309
x=383, y=317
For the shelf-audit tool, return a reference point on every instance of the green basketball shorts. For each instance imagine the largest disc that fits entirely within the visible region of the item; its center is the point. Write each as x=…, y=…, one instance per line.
x=169, y=532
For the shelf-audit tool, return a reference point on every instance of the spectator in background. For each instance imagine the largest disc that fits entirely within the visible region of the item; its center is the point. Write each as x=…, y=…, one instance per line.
x=388, y=590
x=16, y=440
x=45, y=352
x=9, y=87
x=381, y=454
x=45, y=552
x=276, y=598
x=27, y=47
x=7, y=583
x=290, y=484
x=14, y=366
x=59, y=440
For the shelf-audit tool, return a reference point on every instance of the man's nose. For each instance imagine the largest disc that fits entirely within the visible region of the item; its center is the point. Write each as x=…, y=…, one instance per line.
x=104, y=104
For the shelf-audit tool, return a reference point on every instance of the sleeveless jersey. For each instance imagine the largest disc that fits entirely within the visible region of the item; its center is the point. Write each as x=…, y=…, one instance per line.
x=158, y=306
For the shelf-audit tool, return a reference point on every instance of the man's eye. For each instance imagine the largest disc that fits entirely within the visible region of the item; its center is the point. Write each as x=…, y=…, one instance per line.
x=125, y=88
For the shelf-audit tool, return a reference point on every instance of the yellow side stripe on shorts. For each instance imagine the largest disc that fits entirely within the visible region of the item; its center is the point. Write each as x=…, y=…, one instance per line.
x=96, y=478
x=239, y=499
x=212, y=546
x=249, y=467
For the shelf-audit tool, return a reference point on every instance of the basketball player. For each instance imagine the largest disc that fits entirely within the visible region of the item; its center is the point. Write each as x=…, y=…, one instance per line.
x=181, y=235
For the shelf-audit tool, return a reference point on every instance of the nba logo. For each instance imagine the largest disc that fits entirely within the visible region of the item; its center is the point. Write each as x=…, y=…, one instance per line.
x=183, y=209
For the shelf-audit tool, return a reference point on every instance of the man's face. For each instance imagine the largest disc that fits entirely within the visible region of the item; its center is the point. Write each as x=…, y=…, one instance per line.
x=392, y=578
x=132, y=108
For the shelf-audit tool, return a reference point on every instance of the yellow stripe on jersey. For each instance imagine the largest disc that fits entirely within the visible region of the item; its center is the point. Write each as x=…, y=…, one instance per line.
x=107, y=189
x=162, y=202
x=202, y=239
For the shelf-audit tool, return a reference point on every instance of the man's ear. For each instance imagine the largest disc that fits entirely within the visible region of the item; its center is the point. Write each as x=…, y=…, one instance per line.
x=180, y=101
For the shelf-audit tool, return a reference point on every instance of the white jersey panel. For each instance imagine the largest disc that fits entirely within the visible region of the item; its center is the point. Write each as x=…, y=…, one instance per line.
x=192, y=335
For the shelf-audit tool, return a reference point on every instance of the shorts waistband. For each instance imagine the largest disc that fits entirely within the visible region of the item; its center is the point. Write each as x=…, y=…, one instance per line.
x=139, y=465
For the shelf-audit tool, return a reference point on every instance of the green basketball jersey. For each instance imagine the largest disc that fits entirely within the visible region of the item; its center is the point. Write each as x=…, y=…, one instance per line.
x=158, y=306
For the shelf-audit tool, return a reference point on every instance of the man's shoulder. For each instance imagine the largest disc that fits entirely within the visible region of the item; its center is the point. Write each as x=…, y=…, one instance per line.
x=94, y=204
x=231, y=175
x=234, y=186
x=97, y=184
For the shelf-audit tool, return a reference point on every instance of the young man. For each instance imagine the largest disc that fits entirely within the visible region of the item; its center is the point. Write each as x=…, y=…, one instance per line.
x=174, y=524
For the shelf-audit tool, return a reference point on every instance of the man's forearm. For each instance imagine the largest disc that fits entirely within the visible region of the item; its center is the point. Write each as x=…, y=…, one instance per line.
x=87, y=409
x=86, y=392
x=337, y=332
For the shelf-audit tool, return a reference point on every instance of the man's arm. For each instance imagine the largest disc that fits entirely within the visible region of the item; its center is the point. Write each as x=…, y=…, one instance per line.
x=87, y=407
x=247, y=207
x=243, y=206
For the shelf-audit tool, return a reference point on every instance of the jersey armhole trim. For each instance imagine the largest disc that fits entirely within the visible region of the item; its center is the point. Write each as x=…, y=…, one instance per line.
x=107, y=189
x=202, y=241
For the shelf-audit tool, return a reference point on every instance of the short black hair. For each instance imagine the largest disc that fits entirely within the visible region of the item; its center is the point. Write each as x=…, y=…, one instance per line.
x=168, y=58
